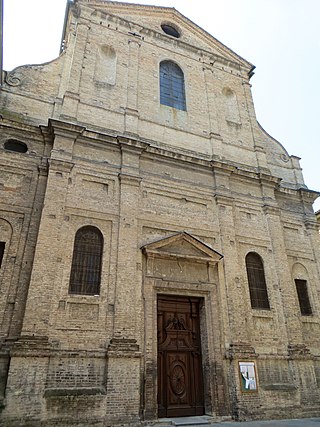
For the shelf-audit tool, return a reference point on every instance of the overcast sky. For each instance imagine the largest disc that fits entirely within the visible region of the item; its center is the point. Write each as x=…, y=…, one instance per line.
x=280, y=37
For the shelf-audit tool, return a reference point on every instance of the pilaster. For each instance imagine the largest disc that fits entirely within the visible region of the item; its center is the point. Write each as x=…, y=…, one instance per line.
x=71, y=96
x=131, y=112
x=47, y=266
x=214, y=131
x=286, y=285
x=128, y=282
x=234, y=296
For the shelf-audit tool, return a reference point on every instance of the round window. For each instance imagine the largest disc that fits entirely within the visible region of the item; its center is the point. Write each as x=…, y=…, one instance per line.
x=170, y=30
x=15, y=145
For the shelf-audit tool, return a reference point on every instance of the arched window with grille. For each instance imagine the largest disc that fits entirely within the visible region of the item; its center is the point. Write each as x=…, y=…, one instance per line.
x=257, y=282
x=172, y=88
x=85, y=277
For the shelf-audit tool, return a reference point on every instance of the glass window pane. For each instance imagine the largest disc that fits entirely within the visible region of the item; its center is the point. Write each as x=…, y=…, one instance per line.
x=172, y=90
x=85, y=274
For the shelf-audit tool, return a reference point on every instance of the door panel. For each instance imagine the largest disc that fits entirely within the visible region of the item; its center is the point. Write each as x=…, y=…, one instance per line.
x=180, y=385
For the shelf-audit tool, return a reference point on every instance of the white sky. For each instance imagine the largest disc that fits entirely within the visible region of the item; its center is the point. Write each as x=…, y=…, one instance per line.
x=280, y=37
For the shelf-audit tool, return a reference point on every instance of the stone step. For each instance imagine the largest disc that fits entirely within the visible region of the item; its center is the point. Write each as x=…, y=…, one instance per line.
x=204, y=420
x=183, y=421
x=191, y=421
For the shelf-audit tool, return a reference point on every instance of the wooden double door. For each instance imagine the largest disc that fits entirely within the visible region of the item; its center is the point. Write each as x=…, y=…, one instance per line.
x=180, y=382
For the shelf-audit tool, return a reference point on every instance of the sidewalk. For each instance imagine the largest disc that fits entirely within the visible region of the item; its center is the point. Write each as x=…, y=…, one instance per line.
x=207, y=422
x=304, y=422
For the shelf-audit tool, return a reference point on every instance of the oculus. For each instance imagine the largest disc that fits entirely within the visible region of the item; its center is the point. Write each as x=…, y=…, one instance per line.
x=15, y=145
x=170, y=30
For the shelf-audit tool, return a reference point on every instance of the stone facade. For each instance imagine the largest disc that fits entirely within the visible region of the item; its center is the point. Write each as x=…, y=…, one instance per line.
x=180, y=197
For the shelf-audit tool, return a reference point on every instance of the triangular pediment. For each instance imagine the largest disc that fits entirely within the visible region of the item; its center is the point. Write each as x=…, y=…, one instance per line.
x=143, y=20
x=184, y=246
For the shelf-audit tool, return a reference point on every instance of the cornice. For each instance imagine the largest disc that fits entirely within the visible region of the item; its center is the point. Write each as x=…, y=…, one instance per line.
x=193, y=27
x=308, y=195
x=60, y=165
x=6, y=122
x=311, y=224
x=129, y=179
x=132, y=144
x=212, y=59
x=150, y=149
x=65, y=129
x=224, y=200
x=272, y=210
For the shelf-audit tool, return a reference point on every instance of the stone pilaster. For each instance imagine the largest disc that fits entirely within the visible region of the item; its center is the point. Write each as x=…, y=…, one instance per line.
x=123, y=381
x=124, y=357
x=233, y=294
x=214, y=131
x=14, y=323
x=286, y=285
x=131, y=112
x=47, y=270
x=128, y=283
x=255, y=131
x=71, y=97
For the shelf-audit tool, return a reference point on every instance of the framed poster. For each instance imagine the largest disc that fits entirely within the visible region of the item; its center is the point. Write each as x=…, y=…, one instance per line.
x=248, y=378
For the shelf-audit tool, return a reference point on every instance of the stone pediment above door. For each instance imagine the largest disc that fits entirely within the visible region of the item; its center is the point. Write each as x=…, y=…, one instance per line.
x=182, y=246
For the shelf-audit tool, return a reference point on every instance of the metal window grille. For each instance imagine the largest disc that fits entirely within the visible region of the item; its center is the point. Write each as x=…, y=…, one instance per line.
x=172, y=90
x=257, y=282
x=2, y=246
x=85, y=274
x=303, y=297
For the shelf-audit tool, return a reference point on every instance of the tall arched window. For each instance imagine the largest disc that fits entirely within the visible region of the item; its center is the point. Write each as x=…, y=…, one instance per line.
x=257, y=282
x=303, y=297
x=172, y=91
x=85, y=274
x=2, y=246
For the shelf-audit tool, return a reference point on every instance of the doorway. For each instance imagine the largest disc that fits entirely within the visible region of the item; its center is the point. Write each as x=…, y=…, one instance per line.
x=180, y=381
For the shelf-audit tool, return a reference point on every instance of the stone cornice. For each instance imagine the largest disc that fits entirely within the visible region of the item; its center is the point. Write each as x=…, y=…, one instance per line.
x=43, y=168
x=312, y=224
x=191, y=249
x=132, y=144
x=224, y=200
x=65, y=129
x=241, y=351
x=149, y=149
x=214, y=58
x=60, y=165
x=308, y=195
x=272, y=210
x=10, y=123
x=129, y=179
x=298, y=351
x=269, y=180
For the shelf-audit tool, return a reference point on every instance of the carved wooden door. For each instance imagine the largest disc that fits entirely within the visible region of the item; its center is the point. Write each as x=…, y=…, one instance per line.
x=180, y=385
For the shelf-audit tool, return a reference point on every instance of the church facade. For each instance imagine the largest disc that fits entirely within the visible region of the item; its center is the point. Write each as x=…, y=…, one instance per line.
x=159, y=252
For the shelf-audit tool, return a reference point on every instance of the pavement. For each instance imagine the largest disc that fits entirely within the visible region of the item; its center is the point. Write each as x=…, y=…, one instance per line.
x=303, y=422
x=209, y=422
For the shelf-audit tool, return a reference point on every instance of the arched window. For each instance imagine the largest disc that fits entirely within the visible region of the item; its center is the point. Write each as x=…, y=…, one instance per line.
x=172, y=92
x=85, y=274
x=303, y=297
x=257, y=282
x=2, y=246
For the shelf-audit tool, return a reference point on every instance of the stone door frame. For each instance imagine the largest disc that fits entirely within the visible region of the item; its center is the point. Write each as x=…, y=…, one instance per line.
x=211, y=322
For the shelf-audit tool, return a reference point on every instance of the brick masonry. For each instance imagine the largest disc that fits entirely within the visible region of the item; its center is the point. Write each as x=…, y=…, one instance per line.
x=171, y=191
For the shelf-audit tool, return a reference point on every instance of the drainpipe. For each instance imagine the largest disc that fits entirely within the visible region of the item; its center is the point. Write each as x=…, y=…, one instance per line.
x=1, y=41
x=62, y=45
